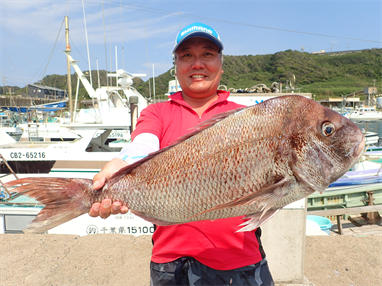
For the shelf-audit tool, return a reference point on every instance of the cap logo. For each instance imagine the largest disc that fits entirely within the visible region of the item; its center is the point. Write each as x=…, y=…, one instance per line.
x=196, y=28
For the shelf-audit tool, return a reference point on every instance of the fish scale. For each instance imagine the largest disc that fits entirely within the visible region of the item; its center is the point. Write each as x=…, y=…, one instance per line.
x=249, y=162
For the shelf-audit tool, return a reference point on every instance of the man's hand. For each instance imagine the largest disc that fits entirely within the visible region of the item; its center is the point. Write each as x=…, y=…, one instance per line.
x=105, y=208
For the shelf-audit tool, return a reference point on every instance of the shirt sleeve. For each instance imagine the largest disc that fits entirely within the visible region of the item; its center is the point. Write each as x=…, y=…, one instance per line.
x=145, y=137
x=143, y=144
x=149, y=121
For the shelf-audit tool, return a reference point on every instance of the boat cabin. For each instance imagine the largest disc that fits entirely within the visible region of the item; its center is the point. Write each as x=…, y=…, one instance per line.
x=46, y=92
x=366, y=109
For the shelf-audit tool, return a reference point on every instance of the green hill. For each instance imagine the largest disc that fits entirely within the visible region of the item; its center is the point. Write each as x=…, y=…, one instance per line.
x=325, y=75
x=332, y=74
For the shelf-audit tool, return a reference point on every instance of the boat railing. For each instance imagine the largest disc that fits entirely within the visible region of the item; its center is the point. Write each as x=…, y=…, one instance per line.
x=9, y=203
x=8, y=195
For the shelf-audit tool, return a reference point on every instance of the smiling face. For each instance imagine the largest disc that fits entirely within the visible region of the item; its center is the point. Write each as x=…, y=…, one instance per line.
x=198, y=67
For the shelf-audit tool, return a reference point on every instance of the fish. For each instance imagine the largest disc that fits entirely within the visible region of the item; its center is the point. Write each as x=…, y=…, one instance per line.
x=248, y=162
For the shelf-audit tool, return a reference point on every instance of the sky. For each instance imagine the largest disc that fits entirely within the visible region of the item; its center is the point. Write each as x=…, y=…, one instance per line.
x=138, y=36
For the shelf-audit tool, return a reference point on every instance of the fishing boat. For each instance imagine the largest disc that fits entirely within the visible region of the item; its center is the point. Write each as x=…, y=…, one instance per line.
x=372, y=138
x=89, y=148
x=16, y=214
x=47, y=107
x=365, y=114
x=173, y=87
x=9, y=131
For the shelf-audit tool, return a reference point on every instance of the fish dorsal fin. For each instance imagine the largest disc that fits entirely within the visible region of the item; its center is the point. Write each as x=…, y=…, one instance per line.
x=199, y=128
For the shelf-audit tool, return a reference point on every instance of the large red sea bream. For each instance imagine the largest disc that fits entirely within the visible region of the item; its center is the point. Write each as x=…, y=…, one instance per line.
x=251, y=161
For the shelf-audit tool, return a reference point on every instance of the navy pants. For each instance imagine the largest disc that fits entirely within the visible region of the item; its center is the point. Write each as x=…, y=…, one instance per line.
x=190, y=272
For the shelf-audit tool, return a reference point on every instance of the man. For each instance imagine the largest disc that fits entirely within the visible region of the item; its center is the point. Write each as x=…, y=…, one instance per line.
x=197, y=253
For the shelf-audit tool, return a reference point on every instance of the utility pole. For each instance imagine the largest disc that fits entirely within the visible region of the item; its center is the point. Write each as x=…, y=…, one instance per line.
x=68, y=50
x=3, y=84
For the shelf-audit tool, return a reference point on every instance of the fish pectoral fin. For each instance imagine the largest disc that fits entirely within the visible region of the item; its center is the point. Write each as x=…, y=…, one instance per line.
x=256, y=220
x=267, y=197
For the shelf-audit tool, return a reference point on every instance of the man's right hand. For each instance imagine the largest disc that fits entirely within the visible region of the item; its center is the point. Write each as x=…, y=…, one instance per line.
x=105, y=208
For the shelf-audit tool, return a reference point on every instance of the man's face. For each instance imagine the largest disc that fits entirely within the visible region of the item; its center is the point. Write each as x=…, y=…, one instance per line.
x=198, y=67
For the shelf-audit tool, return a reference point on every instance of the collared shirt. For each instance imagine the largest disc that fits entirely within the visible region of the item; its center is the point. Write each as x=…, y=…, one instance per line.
x=214, y=244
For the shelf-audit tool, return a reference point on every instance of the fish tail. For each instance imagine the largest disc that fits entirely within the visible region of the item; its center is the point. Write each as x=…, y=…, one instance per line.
x=64, y=199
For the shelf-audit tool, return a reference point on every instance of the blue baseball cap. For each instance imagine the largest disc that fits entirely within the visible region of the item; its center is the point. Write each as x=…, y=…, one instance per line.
x=197, y=30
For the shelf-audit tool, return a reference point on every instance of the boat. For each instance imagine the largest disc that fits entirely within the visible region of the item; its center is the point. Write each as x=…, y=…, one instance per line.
x=370, y=159
x=47, y=107
x=88, y=151
x=9, y=130
x=17, y=213
x=343, y=111
x=354, y=189
x=75, y=148
x=365, y=114
x=173, y=87
x=372, y=138
x=87, y=148
x=48, y=128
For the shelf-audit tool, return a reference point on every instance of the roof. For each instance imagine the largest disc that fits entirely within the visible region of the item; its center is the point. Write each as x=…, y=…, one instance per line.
x=355, y=99
x=46, y=87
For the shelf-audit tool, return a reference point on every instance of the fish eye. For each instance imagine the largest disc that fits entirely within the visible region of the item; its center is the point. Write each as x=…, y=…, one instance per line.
x=328, y=129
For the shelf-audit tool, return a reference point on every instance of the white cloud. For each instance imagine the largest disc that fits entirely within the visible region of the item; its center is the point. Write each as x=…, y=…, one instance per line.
x=40, y=21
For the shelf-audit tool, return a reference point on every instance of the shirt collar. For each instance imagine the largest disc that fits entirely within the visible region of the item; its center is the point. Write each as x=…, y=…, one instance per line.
x=178, y=98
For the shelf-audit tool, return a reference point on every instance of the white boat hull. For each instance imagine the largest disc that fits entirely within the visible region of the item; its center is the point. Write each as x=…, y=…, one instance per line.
x=15, y=218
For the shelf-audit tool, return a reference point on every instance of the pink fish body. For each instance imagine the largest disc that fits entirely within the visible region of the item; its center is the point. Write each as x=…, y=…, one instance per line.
x=251, y=161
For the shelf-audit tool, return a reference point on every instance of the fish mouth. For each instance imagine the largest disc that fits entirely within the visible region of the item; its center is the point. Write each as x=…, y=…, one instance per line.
x=361, y=145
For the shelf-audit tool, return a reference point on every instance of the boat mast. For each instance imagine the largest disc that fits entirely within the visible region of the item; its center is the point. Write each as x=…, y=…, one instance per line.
x=68, y=50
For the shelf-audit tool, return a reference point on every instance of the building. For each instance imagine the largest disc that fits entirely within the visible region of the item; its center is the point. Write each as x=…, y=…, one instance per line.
x=46, y=92
x=338, y=102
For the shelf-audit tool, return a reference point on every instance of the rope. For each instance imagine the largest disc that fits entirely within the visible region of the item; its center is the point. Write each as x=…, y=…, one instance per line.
x=191, y=16
x=51, y=53
x=13, y=65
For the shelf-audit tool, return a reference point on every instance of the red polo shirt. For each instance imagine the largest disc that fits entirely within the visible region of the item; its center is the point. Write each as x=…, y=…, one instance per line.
x=214, y=244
